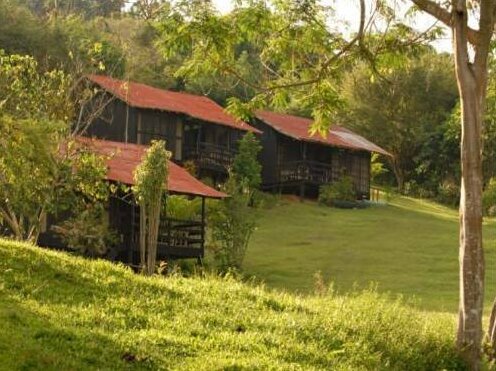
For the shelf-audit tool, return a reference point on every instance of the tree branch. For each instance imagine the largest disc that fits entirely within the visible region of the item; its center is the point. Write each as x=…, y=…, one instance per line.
x=320, y=75
x=445, y=16
x=486, y=27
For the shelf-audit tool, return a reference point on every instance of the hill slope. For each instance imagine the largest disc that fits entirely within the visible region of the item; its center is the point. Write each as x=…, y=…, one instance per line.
x=62, y=312
x=408, y=247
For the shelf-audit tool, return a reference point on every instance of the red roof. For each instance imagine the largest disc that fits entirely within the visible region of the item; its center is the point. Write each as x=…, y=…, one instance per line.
x=145, y=96
x=125, y=157
x=299, y=128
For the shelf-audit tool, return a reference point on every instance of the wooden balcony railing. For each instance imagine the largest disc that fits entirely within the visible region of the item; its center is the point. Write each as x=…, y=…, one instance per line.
x=308, y=171
x=176, y=238
x=210, y=156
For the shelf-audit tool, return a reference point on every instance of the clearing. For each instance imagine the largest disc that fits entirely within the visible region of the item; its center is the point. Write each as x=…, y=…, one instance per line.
x=408, y=247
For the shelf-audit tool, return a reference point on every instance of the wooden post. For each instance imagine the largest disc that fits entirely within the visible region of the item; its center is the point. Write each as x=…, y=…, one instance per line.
x=302, y=185
x=132, y=246
x=168, y=227
x=203, y=226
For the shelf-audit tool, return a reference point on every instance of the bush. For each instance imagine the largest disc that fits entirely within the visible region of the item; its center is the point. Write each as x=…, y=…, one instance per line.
x=489, y=198
x=231, y=223
x=377, y=168
x=341, y=190
x=88, y=232
x=448, y=193
x=181, y=207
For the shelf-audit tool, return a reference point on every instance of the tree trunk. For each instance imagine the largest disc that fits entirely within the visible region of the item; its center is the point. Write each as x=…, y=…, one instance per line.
x=471, y=253
x=142, y=237
x=471, y=256
x=153, y=227
x=398, y=174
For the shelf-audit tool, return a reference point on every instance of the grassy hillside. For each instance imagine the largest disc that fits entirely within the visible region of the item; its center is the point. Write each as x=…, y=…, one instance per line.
x=61, y=312
x=408, y=247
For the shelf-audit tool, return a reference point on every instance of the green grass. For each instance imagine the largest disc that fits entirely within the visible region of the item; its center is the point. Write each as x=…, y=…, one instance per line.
x=59, y=312
x=409, y=247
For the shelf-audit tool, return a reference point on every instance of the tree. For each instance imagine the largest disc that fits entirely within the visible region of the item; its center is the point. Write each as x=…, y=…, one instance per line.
x=148, y=9
x=87, y=8
x=472, y=77
x=392, y=111
x=150, y=185
x=298, y=50
x=231, y=223
x=40, y=170
x=246, y=168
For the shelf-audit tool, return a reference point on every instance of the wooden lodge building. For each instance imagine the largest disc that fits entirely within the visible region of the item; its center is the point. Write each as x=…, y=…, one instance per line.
x=293, y=160
x=194, y=127
x=197, y=129
x=177, y=238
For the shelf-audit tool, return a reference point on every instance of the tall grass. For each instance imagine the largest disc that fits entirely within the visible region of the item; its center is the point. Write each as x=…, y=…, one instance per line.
x=62, y=312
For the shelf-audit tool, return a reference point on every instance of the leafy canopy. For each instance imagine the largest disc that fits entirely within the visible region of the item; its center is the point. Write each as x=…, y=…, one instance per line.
x=297, y=55
x=36, y=175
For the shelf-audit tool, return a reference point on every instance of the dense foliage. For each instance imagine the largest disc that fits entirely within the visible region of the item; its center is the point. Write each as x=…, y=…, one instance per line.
x=393, y=112
x=41, y=170
x=489, y=198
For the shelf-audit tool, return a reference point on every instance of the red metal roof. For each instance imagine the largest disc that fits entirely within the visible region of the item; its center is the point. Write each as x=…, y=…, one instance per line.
x=299, y=128
x=145, y=96
x=125, y=157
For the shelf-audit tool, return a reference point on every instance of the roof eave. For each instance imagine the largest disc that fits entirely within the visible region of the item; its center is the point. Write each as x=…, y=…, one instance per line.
x=295, y=137
x=248, y=127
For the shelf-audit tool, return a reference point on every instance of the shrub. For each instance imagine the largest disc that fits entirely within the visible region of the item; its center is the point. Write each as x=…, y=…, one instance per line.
x=377, y=168
x=448, y=193
x=181, y=207
x=489, y=198
x=231, y=223
x=341, y=190
x=88, y=232
x=411, y=189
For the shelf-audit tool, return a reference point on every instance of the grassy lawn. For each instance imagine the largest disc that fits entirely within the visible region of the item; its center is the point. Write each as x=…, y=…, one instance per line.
x=408, y=247
x=59, y=312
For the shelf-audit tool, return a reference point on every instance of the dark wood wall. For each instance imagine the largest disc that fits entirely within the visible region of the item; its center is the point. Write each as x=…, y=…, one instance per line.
x=269, y=155
x=278, y=149
x=122, y=123
x=111, y=124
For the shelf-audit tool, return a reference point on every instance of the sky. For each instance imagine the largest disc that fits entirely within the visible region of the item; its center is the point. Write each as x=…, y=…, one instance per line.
x=348, y=11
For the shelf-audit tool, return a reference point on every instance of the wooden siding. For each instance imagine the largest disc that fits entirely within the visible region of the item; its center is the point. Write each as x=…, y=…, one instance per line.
x=212, y=147
x=111, y=125
x=301, y=167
